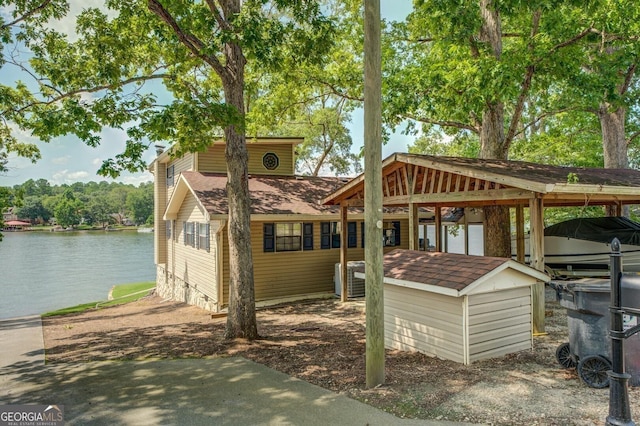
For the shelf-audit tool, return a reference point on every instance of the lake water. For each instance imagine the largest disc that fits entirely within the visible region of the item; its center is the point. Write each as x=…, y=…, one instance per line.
x=44, y=271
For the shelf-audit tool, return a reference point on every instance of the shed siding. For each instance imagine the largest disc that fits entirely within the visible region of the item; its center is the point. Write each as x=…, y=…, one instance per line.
x=499, y=323
x=294, y=273
x=213, y=160
x=425, y=322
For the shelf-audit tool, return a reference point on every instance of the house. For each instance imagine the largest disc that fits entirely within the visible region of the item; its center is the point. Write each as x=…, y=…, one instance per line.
x=295, y=239
x=9, y=214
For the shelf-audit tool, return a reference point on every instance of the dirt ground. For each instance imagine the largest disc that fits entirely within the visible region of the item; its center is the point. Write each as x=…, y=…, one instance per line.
x=323, y=342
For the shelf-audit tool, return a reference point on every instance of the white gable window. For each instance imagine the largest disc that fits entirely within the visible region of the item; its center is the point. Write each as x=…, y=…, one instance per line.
x=188, y=231
x=203, y=236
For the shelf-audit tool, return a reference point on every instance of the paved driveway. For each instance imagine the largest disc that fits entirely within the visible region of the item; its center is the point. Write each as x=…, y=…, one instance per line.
x=222, y=391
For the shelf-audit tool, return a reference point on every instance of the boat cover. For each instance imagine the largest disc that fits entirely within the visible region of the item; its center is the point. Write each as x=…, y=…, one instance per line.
x=600, y=229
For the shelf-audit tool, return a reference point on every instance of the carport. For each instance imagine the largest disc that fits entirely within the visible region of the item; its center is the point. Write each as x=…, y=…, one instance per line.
x=414, y=180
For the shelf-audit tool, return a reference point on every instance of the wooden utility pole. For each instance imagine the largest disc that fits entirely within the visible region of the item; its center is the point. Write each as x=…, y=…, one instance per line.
x=374, y=272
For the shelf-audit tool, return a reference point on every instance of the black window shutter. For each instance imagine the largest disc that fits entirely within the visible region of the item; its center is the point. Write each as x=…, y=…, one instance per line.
x=325, y=235
x=208, y=237
x=352, y=234
x=184, y=233
x=307, y=236
x=362, y=233
x=396, y=226
x=269, y=237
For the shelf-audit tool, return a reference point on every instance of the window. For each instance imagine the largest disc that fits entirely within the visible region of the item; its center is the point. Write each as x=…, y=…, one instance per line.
x=391, y=234
x=307, y=236
x=329, y=235
x=270, y=161
x=188, y=230
x=352, y=234
x=170, y=175
x=287, y=236
x=203, y=236
x=168, y=228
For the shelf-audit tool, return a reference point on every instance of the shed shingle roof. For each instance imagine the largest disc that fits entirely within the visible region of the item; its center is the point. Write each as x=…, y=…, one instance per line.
x=449, y=270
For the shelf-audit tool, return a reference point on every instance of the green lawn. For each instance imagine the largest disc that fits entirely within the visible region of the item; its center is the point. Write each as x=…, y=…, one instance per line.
x=124, y=293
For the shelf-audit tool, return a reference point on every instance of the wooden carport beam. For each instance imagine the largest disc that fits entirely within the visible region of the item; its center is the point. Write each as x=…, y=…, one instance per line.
x=343, y=253
x=536, y=253
x=438, y=223
x=413, y=227
x=520, y=233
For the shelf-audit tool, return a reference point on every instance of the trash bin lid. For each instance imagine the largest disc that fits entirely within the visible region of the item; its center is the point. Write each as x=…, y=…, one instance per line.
x=586, y=285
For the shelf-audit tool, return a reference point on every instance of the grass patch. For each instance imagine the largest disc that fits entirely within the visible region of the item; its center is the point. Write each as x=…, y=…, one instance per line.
x=121, y=294
x=132, y=289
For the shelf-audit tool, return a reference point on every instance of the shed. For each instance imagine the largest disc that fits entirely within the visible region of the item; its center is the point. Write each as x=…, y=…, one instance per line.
x=458, y=307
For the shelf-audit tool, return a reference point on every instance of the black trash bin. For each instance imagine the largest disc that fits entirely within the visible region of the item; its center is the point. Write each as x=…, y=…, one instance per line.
x=589, y=348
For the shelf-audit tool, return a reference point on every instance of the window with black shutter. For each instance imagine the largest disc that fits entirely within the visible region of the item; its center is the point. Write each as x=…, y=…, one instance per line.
x=352, y=234
x=269, y=241
x=307, y=236
x=325, y=235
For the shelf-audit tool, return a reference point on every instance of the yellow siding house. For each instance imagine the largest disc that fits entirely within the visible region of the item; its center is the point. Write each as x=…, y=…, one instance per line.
x=295, y=239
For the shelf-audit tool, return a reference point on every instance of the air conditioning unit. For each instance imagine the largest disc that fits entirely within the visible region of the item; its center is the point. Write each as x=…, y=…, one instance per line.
x=355, y=286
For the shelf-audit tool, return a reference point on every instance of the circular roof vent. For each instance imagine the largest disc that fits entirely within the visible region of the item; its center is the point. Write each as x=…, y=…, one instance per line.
x=270, y=161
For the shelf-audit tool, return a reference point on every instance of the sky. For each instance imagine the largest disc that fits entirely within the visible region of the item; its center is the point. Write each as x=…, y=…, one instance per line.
x=67, y=160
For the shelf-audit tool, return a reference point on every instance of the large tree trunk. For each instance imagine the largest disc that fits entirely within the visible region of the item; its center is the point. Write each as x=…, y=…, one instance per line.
x=241, y=319
x=614, y=144
x=614, y=141
x=493, y=144
x=497, y=235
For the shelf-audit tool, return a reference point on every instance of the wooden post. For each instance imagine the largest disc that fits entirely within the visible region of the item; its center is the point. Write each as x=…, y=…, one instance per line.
x=466, y=231
x=438, y=222
x=344, y=294
x=414, y=235
x=520, y=233
x=374, y=272
x=536, y=255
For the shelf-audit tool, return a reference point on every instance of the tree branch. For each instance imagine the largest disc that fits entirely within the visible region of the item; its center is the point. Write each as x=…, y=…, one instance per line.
x=72, y=93
x=543, y=116
x=28, y=14
x=190, y=41
x=526, y=83
x=444, y=123
x=336, y=91
x=215, y=11
x=627, y=78
x=572, y=40
x=632, y=137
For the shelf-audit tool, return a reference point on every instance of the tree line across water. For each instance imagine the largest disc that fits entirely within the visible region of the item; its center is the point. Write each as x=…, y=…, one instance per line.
x=94, y=204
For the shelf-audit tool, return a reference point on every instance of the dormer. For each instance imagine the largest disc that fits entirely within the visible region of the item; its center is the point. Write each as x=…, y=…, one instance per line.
x=267, y=156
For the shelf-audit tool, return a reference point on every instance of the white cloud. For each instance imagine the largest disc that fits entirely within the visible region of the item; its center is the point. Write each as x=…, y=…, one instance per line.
x=61, y=160
x=137, y=179
x=65, y=176
x=67, y=25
